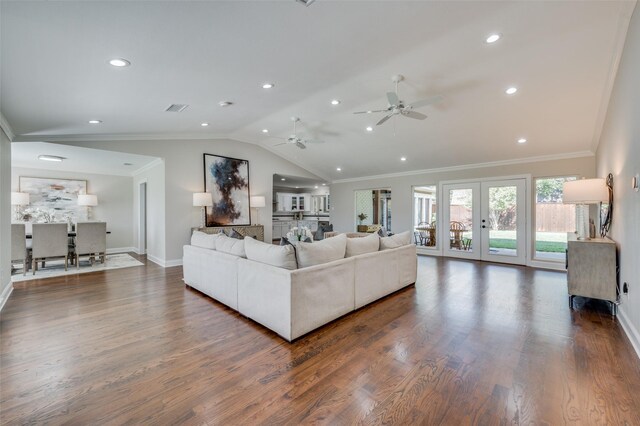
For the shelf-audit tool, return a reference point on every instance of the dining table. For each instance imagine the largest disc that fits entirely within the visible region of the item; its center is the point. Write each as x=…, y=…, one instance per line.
x=70, y=234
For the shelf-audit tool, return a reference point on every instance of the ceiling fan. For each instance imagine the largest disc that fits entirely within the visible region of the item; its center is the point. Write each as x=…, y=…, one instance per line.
x=398, y=107
x=293, y=139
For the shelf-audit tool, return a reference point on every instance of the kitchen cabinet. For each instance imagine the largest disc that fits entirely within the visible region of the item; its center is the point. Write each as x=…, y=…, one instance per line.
x=287, y=202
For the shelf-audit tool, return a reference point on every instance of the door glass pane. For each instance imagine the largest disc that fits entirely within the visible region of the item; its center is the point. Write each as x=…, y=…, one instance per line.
x=461, y=219
x=424, y=215
x=553, y=219
x=502, y=220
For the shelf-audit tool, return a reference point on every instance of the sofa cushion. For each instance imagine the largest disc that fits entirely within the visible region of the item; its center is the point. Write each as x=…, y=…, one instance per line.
x=280, y=256
x=324, y=251
x=204, y=240
x=368, y=244
x=230, y=246
x=395, y=241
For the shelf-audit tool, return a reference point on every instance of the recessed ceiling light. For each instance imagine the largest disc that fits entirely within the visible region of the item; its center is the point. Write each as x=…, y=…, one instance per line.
x=335, y=102
x=119, y=62
x=204, y=124
x=297, y=187
x=50, y=158
x=511, y=90
x=225, y=103
x=522, y=140
x=324, y=184
x=316, y=187
x=268, y=85
x=265, y=130
x=403, y=158
x=369, y=129
x=338, y=169
x=369, y=112
x=282, y=179
x=492, y=38
x=95, y=121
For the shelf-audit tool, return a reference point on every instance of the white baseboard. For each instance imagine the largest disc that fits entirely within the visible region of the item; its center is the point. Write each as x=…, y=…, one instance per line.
x=8, y=289
x=173, y=262
x=156, y=260
x=630, y=330
x=164, y=263
x=120, y=250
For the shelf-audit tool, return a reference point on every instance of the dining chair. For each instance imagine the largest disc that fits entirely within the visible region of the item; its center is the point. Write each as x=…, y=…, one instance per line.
x=91, y=240
x=456, y=230
x=49, y=240
x=19, y=246
x=431, y=241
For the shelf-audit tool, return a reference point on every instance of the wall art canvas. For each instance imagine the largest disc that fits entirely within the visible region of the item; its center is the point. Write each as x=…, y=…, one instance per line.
x=53, y=200
x=227, y=179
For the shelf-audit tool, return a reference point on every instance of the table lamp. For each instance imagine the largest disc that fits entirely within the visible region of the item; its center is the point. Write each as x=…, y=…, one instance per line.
x=582, y=193
x=257, y=202
x=19, y=199
x=88, y=200
x=202, y=200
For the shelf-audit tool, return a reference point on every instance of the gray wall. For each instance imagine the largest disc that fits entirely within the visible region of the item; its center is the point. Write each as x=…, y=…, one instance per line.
x=619, y=154
x=343, y=214
x=5, y=217
x=115, y=200
x=155, y=235
x=183, y=170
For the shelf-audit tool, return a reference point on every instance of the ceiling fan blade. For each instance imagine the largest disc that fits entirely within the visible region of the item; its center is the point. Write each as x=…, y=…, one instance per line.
x=301, y=145
x=312, y=141
x=283, y=143
x=392, y=97
x=370, y=111
x=385, y=118
x=414, y=114
x=425, y=102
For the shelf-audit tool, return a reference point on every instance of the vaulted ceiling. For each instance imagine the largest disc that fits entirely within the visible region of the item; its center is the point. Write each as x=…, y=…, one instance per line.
x=562, y=57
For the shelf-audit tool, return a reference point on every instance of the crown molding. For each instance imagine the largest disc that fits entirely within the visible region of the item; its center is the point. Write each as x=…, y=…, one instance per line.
x=148, y=166
x=6, y=127
x=626, y=14
x=565, y=156
x=118, y=137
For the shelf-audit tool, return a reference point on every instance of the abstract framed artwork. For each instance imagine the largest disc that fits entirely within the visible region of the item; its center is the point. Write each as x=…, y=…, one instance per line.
x=58, y=198
x=227, y=180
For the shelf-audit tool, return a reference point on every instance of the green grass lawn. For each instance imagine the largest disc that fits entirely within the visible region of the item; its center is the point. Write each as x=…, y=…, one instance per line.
x=541, y=246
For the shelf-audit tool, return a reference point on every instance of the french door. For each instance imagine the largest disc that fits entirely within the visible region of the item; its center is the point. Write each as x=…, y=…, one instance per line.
x=485, y=220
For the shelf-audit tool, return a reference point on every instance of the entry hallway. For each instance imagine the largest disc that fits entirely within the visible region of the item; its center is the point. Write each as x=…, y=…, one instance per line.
x=471, y=343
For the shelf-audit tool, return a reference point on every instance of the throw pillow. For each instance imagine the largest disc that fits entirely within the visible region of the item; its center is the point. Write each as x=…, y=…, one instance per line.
x=235, y=234
x=279, y=256
x=324, y=251
x=395, y=241
x=230, y=246
x=204, y=240
x=368, y=244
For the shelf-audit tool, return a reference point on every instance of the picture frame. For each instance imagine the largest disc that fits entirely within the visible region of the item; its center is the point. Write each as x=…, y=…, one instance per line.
x=56, y=197
x=227, y=180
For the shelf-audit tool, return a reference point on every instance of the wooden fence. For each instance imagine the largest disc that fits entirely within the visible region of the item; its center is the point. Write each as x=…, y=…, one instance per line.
x=554, y=217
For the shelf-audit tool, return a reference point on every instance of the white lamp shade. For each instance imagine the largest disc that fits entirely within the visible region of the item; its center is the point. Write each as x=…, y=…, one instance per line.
x=585, y=191
x=257, y=201
x=87, y=200
x=19, y=198
x=202, y=199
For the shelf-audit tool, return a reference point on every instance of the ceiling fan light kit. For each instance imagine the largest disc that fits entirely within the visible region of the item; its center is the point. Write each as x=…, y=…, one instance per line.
x=293, y=139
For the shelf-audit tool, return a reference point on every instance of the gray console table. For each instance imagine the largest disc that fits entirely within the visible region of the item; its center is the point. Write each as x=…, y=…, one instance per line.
x=592, y=270
x=255, y=231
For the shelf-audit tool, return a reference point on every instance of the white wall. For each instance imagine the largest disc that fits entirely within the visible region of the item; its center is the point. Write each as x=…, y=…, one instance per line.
x=5, y=218
x=619, y=154
x=343, y=214
x=155, y=179
x=183, y=168
x=115, y=201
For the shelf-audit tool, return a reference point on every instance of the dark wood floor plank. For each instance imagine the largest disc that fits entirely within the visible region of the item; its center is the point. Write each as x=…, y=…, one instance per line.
x=471, y=343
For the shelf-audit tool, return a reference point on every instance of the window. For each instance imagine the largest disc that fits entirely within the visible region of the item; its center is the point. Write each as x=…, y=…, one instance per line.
x=425, y=208
x=553, y=219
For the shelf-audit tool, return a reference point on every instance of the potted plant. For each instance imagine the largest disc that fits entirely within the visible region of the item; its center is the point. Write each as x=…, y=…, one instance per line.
x=362, y=217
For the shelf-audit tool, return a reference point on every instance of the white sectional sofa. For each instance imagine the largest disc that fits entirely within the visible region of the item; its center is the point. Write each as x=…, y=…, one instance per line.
x=293, y=302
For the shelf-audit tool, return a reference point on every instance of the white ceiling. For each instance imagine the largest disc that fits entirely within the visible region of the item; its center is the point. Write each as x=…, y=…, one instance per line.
x=77, y=159
x=296, y=182
x=561, y=55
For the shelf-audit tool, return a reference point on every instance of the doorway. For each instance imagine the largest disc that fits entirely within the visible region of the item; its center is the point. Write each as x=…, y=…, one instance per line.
x=142, y=217
x=486, y=220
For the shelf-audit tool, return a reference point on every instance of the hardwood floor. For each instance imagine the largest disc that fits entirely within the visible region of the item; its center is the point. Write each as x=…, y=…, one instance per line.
x=471, y=343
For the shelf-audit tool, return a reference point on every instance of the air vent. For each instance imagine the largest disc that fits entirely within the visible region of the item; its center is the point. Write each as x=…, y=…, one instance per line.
x=176, y=108
x=305, y=2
